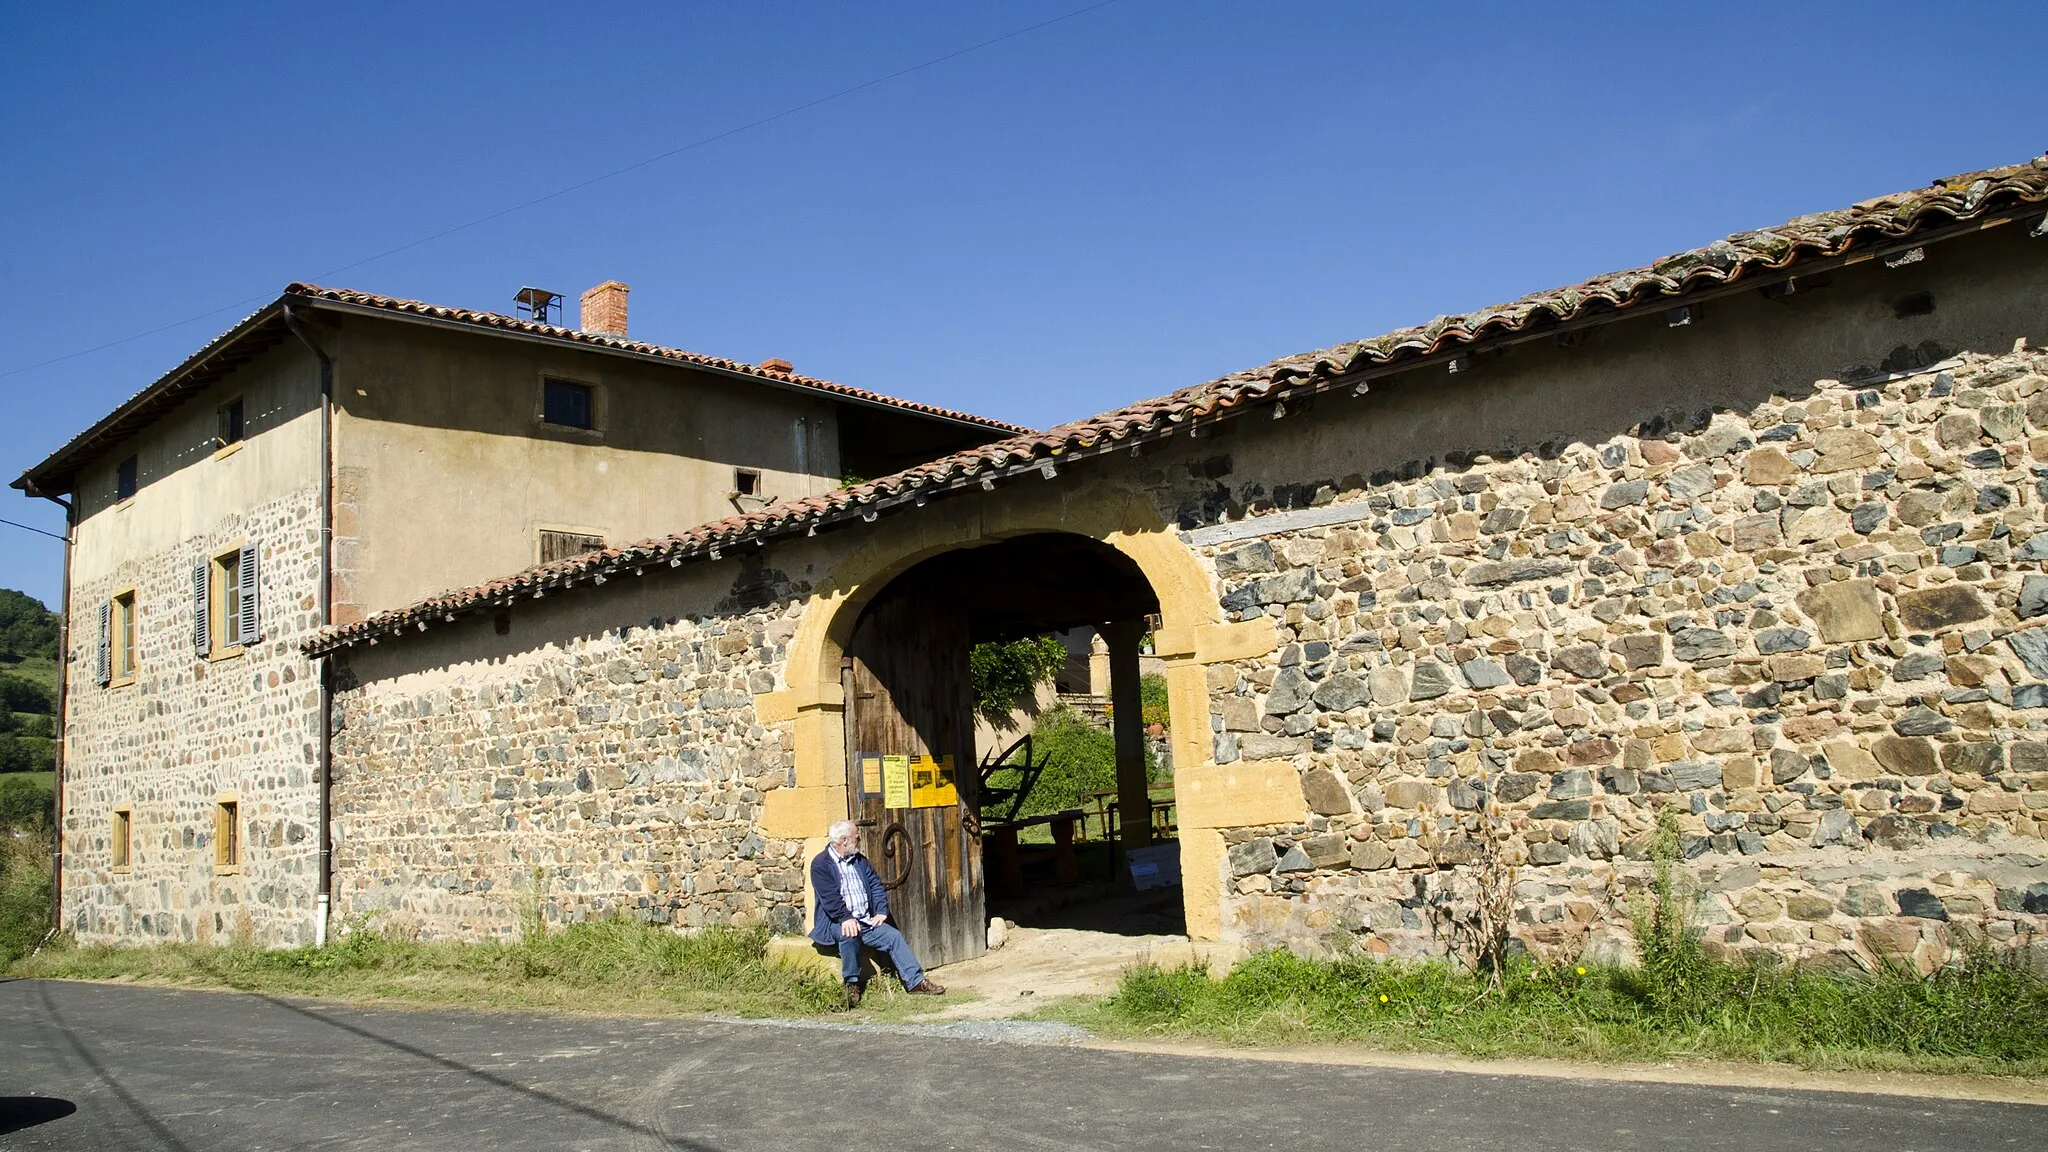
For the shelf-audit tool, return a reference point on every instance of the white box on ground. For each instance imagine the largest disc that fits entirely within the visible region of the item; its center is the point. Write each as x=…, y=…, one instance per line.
x=1154, y=867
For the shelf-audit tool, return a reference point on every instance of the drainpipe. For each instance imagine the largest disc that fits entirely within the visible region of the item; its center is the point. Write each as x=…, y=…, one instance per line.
x=63, y=683
x=323, y=867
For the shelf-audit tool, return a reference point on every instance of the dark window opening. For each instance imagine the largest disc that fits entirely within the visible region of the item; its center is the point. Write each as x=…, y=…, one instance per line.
x=562, y=545
x=1916, y=304
x=746, y=482
x=231, y=426
x=566, y=404
x=124, y=480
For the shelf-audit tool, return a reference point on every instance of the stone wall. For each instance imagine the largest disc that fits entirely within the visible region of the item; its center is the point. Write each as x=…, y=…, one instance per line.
x=1809, y=631
x=189, y=730
x=586, y=772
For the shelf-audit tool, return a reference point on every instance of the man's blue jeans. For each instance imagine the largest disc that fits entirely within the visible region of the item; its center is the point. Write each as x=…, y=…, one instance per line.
x=883, y=938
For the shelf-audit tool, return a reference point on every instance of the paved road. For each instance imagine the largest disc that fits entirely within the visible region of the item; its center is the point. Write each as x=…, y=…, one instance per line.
x=109, y=1067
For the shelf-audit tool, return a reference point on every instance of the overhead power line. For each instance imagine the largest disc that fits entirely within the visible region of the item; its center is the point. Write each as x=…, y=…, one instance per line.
x=27, y=528
x=582, y=184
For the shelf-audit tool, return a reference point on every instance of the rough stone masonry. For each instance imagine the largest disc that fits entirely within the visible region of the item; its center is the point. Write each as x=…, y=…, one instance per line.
x=1816, y=632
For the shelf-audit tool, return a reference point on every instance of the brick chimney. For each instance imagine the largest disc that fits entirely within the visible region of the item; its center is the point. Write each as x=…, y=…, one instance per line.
x=604, y=309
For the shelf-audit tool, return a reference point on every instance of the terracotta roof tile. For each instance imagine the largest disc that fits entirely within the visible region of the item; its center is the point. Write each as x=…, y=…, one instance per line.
x=1740, y=260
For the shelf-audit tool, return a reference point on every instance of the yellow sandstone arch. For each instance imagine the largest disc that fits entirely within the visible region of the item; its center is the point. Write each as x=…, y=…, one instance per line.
x=1193, y=635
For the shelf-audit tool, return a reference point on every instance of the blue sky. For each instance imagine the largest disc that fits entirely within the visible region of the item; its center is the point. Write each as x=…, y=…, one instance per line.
x=1140, y=197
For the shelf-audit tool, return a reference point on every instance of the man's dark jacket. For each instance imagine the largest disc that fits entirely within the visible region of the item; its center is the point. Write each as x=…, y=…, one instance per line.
x=832, y=910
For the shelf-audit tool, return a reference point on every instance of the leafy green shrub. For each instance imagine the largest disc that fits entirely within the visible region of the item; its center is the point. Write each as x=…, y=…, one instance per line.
x=26, y=804
x=24, y=891
x=1083, y=763
x=1002, y=674
x=19, y=753
x=20, y=694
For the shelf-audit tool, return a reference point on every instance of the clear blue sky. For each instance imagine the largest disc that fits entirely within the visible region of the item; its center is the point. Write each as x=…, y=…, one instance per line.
x=1141, y=197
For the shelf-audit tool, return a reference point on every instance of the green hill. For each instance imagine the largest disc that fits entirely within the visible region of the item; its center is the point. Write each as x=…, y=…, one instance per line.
x=28, y=683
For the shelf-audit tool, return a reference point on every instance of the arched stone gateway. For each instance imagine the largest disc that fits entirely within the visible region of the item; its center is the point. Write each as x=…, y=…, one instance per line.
x=1193, y=634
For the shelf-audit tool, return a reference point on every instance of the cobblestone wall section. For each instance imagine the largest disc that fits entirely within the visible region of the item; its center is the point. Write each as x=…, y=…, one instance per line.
x=188, y=731
x=1813, y=632
x=622, y=772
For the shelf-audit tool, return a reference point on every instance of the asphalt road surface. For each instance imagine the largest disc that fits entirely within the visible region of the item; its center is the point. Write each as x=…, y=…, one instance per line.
x=108, y=1067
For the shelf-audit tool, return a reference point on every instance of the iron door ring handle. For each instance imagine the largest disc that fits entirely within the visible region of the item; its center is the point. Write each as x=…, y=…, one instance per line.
x=890, y=854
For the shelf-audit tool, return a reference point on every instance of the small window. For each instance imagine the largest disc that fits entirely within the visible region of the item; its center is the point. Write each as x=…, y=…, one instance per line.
x=123, y=646
x=568, y=405
x=562, y=545
x=124, y=480
x=746, y=482
x=120, y=839
x=227, y=835
x=231, y=427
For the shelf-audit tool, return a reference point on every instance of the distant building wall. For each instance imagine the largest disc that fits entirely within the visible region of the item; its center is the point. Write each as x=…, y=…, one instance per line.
x=447, y=473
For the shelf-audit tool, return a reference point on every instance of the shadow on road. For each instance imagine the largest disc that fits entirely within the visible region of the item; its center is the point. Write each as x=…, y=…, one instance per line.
x=148, y=1118
x=583, y=1110
x=18, y=1112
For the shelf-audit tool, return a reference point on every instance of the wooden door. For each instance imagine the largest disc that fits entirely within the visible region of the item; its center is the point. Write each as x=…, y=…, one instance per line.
x=908, y=694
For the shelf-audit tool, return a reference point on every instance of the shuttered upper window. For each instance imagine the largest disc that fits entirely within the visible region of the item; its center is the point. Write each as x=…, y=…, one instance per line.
x=562, y=545
x=224, y=603
x=116, y=658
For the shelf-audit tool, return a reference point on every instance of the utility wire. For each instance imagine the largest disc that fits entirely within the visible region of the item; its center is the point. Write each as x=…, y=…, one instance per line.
x=582, y=184
x=37, y=531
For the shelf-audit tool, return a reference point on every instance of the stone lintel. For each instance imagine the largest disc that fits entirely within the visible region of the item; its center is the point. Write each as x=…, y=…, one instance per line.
x=1238, y=795
x=802, y=813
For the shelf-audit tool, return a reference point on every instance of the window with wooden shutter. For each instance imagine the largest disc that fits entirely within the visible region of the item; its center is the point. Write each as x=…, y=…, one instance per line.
x=121, y=639
x=202, y=604
x=230, y=603
x=103, y=665
x=227, y=835
x=562, y=545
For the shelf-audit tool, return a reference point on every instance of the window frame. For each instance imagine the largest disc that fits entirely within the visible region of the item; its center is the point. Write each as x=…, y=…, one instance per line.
x=124, y=645
x=232, y=423
x=223, y=625
x=227, y=834
x=121, y=839
x=595, y=394
x=748, y=483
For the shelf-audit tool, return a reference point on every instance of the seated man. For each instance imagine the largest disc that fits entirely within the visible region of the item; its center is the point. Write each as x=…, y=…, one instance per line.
x=853, y=909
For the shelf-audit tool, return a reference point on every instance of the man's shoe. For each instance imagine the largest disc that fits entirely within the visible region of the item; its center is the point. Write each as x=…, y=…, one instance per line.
x=853, y=995
x=926, y=988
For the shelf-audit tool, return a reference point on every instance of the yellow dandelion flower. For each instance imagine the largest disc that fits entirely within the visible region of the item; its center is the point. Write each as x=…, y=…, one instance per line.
x=1582, y=970
x=1383, y=997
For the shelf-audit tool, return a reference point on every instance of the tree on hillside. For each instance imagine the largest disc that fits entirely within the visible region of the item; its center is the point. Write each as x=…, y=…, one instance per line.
x=26, y=627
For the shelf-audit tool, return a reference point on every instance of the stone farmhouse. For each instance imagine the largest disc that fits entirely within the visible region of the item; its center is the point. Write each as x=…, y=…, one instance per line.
x=1745, y=545
x=335, y=455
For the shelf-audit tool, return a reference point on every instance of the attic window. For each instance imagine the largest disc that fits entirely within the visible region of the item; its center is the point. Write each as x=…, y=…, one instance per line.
x=567, y=405
x=556, y=545
x=124, y=480
x=746, y=482
x=231, y=426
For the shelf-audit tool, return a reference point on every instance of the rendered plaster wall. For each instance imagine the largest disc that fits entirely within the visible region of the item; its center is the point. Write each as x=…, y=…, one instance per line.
x=600, y=756
x=188, y=731
x=1776, y=576
x=446, y=473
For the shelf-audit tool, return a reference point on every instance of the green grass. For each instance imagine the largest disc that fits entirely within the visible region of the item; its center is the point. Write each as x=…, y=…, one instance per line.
x=41, y=669
x=613, y=965
x=1987, y=1014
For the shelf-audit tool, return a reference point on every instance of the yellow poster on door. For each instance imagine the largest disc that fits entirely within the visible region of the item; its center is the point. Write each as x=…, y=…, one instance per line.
x=931, y=782
x=895, y=781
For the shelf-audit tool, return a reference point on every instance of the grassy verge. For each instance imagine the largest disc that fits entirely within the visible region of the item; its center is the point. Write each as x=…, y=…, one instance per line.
x=616, y=966
x=1987, y=1014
